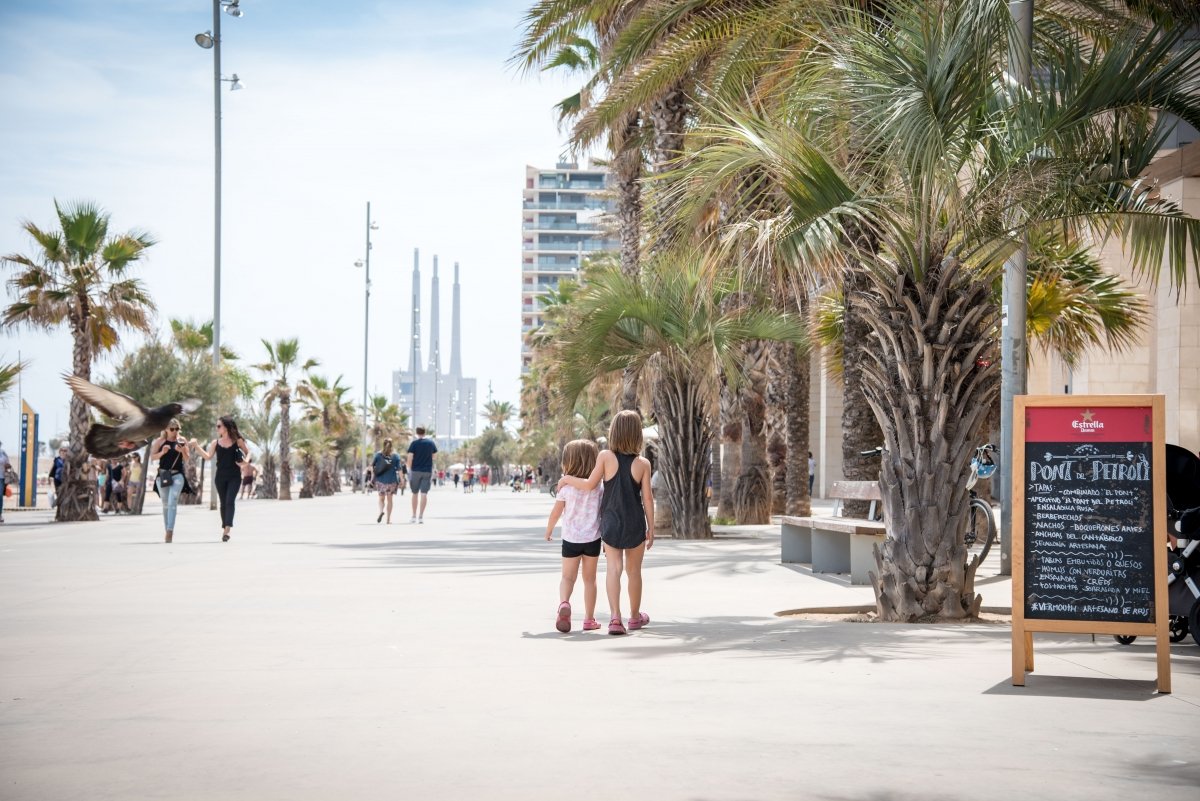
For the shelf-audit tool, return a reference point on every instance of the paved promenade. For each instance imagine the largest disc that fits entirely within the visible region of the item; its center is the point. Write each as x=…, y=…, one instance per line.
x=321, y=656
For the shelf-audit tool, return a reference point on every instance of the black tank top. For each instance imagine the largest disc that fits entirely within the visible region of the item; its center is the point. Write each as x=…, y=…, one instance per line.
x=172, y=459
x=622, y=518
x=227, y=461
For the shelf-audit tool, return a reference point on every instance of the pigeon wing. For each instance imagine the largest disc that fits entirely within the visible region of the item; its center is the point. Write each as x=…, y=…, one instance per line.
x=113, y=404
x=190, y=405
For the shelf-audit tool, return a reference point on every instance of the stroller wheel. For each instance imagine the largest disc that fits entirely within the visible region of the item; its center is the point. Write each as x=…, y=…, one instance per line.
x=1125, y=639
x=1177, y=626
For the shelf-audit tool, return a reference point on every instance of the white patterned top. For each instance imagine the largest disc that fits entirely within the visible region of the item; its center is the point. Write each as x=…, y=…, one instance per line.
x=581, y=518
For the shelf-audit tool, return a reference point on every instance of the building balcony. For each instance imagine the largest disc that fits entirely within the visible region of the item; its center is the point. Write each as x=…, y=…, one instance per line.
x=567, y=205
x=560, y=226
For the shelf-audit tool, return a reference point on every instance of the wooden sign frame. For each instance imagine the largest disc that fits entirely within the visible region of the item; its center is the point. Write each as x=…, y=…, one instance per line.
x=1022, y=628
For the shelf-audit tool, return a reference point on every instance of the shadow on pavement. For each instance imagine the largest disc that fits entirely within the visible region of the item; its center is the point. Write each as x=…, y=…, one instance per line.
x=1079, y=687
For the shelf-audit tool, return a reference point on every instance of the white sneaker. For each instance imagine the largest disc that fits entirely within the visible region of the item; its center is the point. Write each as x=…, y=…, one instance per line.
x=412, y=520
x=420, y=520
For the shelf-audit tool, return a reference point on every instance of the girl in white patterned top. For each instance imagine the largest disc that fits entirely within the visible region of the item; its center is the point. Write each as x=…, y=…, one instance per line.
x=580, y=513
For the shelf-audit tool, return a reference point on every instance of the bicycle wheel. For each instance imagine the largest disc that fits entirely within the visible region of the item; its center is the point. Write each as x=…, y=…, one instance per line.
x=981, y=528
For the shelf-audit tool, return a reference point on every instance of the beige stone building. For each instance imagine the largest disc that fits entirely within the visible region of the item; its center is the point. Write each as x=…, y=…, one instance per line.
x=1166, y=361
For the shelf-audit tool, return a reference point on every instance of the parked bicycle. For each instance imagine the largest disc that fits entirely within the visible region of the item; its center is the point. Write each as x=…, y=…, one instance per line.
x=980, y=531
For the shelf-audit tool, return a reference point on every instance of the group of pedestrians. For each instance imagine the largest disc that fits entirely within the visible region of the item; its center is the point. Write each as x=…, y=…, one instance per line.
x=604, y=500
x=172, y=452
x=389, y=471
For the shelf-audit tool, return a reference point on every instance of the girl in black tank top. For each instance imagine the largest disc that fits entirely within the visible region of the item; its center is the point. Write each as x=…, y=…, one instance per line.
x=626, y=515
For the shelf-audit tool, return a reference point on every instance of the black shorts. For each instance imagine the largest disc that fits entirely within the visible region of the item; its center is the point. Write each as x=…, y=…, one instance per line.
x=572, y=550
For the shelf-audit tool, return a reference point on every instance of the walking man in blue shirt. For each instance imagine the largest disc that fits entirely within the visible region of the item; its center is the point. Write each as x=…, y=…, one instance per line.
x=420, y=472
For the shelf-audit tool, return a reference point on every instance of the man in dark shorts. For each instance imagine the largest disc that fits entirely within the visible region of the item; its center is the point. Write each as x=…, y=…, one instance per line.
x=420, y=472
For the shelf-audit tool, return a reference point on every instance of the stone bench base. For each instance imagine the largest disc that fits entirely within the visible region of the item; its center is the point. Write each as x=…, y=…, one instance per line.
x=832, y=544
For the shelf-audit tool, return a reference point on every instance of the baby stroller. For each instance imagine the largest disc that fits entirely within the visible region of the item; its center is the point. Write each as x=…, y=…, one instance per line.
x=1183, y=562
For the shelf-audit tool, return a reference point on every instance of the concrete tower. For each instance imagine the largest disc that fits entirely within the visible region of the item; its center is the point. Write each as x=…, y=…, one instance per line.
x=455, y=331
x=435, y=327
x=414, y=364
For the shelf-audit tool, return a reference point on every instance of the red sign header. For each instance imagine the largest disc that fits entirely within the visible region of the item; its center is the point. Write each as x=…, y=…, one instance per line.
x=1089, y=424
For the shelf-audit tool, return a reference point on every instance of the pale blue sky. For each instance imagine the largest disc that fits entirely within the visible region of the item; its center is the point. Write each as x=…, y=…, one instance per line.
x=409, y=105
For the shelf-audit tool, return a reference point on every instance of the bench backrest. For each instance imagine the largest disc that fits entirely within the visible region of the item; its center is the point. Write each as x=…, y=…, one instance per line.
x=856, y=491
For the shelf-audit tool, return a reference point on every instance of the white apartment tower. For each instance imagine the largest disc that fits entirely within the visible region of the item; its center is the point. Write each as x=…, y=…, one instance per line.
x=561, y=223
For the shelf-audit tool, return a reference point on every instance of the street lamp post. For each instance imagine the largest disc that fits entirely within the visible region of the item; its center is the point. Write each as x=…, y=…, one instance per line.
x=211, y=40
x=366, y=262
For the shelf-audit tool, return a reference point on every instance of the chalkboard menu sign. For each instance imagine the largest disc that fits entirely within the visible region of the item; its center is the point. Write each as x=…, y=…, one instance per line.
x=1089, y=525
x=1089, y=512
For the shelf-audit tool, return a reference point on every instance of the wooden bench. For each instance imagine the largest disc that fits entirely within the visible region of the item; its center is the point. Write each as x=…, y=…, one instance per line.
x=836, y=544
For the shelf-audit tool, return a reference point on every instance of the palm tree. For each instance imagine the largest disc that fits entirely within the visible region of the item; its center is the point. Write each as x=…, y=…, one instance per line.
x=675, y=325
x=282, y=356
x=497, y=413
x=261, y=427
x=326, y=404
x=8, y=377
x=80, y=276
x=388, y=421
x=953, y=165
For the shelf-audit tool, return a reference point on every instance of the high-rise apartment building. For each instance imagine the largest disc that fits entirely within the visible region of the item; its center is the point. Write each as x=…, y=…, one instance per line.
x=561, y=224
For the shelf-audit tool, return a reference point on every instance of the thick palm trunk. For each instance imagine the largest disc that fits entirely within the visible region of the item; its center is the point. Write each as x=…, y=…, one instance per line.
x=731, y=455
x=776, y=440
x=285, y=446
x=752, y=496
x=627, y=172
x=686, y=439
x=794, y=369
x=860, y=429
x=270, y=478
x=76, y=500
x=310, y=476
x=930, y=389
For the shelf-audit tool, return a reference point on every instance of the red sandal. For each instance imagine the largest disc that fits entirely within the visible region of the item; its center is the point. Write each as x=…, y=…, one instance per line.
x=563, y=623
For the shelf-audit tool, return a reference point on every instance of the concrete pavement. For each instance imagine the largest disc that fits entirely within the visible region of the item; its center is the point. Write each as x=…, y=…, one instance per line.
x=319, y=655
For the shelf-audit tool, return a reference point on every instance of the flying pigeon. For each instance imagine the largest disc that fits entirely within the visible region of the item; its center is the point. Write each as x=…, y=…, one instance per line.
x=135, y=423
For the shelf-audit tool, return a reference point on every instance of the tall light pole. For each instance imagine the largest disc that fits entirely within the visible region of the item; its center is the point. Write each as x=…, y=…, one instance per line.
x=1013, y=311
x=211, y=40
x=366, y=262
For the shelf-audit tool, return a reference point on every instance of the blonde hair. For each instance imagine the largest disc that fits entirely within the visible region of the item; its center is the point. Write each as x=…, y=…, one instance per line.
x=387, y=447
x=625, y=433
x=579, y=458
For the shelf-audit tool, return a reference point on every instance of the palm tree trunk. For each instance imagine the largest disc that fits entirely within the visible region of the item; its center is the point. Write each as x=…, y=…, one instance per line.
x=930, y=390
x=310, y=476
x=860, y=429
x=777, y=448
x=270, y=481
x=76, y=500
x=731, y=457
x=686, y=440
x=752, y=496
x=285, y=446
x=627, y=172
x=796, y=371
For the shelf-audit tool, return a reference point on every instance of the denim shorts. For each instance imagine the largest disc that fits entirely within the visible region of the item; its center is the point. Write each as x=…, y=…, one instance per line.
x=420, y=482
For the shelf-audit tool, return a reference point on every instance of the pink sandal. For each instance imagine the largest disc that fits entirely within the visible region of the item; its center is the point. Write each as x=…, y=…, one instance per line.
x=636, y=623
x=615, y=626
x=590, y=624
x=563, y=623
